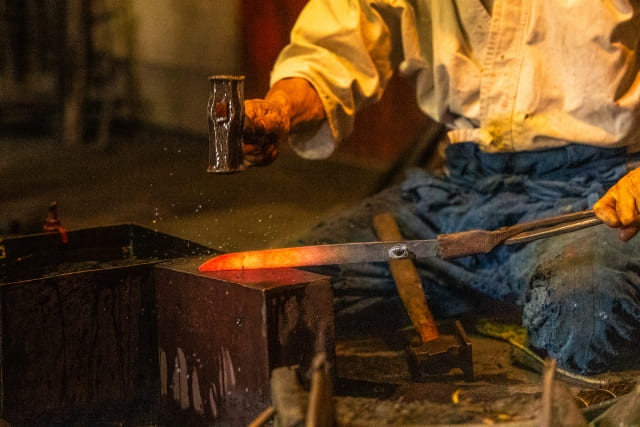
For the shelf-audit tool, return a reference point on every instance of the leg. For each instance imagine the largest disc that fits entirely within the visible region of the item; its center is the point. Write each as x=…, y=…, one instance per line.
x=597, y=273
x=448, y=285
x=583, y=300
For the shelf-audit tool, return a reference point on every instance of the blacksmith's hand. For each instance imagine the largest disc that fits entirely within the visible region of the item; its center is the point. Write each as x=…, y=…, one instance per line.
x=290, y=105
x=620, y=206
x=266, y=124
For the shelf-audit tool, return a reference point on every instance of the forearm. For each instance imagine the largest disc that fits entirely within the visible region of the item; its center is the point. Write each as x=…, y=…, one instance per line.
x=347, y=51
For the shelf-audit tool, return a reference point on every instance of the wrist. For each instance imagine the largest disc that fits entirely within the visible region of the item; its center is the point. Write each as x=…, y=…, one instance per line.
x=280, y=98
x=299, y=101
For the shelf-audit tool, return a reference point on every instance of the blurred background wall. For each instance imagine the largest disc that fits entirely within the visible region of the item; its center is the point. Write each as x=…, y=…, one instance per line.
x=81, y=67
x=176, y=45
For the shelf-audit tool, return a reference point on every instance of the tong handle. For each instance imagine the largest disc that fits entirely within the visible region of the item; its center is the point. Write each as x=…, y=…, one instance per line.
x=570, y=222
x=471, y=242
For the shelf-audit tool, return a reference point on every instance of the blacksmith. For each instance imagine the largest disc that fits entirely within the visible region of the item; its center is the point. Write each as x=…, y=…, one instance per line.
x=541, y=100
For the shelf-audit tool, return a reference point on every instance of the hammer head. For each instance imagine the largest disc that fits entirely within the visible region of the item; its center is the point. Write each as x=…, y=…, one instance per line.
x=440, y=355
x=225, y=114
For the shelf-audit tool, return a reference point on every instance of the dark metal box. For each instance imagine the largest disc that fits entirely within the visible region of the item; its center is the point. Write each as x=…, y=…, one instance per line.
x=234, y=328
x=77, y=327
x=118, y=327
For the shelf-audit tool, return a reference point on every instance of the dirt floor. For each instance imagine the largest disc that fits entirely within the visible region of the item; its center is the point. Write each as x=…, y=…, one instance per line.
x=159, y=181
x=377, y=387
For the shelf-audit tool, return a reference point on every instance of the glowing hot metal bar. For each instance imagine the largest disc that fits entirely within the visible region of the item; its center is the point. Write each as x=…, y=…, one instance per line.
x=445, y=246
x=322, y=255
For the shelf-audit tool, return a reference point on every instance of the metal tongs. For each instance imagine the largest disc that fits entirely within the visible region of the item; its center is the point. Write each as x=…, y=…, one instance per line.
x=446, y=246
x=470, y=242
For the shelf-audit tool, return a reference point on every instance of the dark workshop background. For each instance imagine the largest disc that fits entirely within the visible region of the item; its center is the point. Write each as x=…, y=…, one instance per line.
x=102, y=109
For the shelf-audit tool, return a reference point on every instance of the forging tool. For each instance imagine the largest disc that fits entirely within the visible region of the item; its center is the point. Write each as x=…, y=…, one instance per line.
x=225, y=115
x=445, y=246
x=431, y=352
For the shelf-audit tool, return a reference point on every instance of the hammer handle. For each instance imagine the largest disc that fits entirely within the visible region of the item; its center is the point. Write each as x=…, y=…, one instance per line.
x=407, y=280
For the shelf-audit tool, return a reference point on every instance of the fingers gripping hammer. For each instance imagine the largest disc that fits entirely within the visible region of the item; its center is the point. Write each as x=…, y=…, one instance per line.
x=433, y=352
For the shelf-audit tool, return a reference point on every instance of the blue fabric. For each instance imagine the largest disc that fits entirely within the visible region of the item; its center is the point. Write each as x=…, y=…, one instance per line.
x=579, y=292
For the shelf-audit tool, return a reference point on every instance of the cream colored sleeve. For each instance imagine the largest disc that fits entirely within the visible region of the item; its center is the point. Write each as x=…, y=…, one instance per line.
x=348, y=51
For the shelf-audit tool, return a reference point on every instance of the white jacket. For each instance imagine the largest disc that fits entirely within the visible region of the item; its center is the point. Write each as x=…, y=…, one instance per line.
x=530, y=75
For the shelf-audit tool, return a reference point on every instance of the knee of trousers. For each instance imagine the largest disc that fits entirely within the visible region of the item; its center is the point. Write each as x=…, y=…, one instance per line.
x=582, y=303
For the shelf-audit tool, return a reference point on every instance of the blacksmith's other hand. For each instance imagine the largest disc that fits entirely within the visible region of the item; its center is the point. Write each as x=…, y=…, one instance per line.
x=620, y=206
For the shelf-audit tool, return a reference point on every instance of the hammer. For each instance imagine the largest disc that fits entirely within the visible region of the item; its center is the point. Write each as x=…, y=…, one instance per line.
x=225, y=116
x=431, y=353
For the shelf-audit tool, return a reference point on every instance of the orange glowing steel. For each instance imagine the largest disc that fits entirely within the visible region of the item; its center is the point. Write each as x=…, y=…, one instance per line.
x=270, y=258
x=304, y=256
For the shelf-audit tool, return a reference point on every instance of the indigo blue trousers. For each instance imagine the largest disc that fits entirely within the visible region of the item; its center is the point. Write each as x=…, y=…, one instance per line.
x=579, y=292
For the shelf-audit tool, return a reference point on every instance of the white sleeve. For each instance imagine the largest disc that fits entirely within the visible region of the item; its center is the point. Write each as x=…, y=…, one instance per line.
x=348, y=51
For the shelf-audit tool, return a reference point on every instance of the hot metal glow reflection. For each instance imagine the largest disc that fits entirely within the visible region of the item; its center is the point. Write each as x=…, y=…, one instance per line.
x=273, y=258
x=339, y=253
